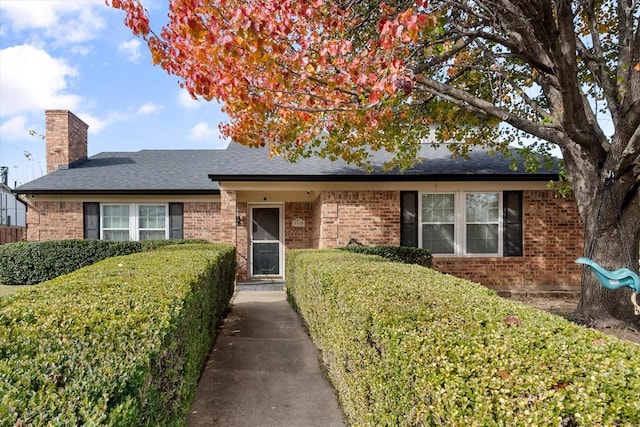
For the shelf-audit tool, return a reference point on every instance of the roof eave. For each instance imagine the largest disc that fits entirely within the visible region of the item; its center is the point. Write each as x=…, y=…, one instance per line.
x=118, y=192
x=525, y=177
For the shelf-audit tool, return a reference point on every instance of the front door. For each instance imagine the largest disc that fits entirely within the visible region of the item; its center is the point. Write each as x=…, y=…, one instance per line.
x=266, y=248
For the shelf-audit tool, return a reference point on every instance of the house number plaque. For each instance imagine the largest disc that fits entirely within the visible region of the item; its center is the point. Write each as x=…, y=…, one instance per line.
x=297, y=222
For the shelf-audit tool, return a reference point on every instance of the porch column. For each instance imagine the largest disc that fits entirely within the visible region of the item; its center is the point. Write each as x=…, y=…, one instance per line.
x=328, y=222
x=228, y=230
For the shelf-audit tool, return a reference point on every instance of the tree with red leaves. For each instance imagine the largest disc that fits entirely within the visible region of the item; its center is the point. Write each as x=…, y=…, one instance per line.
x=339, y=78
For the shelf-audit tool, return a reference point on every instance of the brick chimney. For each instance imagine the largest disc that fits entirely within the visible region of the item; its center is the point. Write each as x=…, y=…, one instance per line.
x=66, y=137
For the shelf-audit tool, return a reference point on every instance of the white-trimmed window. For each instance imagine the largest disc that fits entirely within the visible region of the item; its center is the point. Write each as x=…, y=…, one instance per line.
x=133, y=221
x=461, y=223
x=439, y=223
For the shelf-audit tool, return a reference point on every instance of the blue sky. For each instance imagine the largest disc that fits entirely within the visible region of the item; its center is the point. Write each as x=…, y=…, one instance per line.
x=78, y=55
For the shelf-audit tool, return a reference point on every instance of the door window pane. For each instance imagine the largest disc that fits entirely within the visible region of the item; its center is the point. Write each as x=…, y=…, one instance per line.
x=266, y=258
x=266, y=223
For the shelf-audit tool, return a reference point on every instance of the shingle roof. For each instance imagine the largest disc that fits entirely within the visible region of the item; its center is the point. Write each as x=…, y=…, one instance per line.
x=241, y=163
x=142, y=172
x=198, y=171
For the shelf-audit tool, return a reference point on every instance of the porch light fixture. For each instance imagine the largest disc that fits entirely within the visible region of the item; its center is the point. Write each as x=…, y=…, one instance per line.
x=240, y=217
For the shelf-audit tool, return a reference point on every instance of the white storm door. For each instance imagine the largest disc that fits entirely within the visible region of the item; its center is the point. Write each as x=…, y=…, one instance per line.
x=266, y=237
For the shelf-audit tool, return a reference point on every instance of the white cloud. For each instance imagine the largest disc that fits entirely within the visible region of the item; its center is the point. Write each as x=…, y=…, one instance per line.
x=64, y=21
x=15, y=127
x=186, y=101
x=202, y=131
x=131, y=49
x=97, y=124
x=32, y=80
x=149, y=108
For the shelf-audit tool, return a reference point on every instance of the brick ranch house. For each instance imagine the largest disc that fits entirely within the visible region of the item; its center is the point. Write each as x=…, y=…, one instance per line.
x=505, y=229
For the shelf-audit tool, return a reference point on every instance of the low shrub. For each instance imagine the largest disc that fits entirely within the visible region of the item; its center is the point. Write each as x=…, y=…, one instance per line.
x=28, y=263
x=404, y=254
x=406, y=345
x=149, y=245
x=121, y=342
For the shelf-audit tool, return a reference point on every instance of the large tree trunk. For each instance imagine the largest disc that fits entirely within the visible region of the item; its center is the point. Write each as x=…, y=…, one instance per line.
x=611, y=220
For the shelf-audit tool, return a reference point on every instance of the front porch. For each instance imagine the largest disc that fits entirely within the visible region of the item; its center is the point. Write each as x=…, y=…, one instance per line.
x=261, y=285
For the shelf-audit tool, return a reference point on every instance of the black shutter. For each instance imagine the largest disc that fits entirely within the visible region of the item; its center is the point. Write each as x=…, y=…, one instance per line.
x=512, y=205
x=91, y=212
x=176, y=220
x=409, y=218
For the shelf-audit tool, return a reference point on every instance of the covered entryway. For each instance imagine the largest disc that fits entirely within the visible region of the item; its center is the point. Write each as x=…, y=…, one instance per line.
x=265, y=241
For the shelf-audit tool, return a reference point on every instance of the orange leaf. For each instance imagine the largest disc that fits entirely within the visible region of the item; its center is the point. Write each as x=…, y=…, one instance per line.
x=559, y=385
x=503, y=374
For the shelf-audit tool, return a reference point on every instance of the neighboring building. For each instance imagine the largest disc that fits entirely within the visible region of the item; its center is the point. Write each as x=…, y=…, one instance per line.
x=505, y=229
x=12, y=210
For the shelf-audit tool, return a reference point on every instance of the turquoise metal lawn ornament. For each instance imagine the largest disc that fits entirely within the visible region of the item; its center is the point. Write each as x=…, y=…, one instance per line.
x=615, y=279
x=622, y=277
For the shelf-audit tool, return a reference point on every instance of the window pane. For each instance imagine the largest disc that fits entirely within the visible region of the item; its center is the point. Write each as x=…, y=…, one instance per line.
x=266, y=223
x=152, y=216
x=116, y=216
x=482, y=238
x=266, y=258
x=120, y=235
x=482, y=207
x=152, y=235
x=438, y=208
x=438, y=238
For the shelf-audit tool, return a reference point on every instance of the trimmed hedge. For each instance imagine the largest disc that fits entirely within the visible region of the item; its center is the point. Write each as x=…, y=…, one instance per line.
x=28, y=263
x=406, y=345
x=404, y=254
x=121, y=342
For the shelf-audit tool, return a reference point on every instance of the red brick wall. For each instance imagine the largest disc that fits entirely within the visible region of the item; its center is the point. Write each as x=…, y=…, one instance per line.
x=552, y=233
x=370, y=217
x=202, y=221
x=54, y=221
x=298, y=237
x=552, y=241
x=242, y=240
x=66, y=139
x=315, y=222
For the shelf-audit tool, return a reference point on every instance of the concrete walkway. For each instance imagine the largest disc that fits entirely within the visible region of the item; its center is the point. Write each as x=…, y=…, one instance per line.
x=264, y=371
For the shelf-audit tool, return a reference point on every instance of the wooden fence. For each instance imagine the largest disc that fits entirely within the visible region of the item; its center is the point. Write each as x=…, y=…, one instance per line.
x=12, y=234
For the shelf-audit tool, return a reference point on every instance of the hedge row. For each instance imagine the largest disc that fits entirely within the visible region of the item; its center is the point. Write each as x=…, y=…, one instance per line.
x=404, y=254
x=27, y=263
x=121, y=342
x=406, y=345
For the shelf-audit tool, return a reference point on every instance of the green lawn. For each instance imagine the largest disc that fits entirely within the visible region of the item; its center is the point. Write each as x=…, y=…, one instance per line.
x=4, y=289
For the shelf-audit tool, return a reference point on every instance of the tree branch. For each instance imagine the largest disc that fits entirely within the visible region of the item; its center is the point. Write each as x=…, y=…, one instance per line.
x=464, y=99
